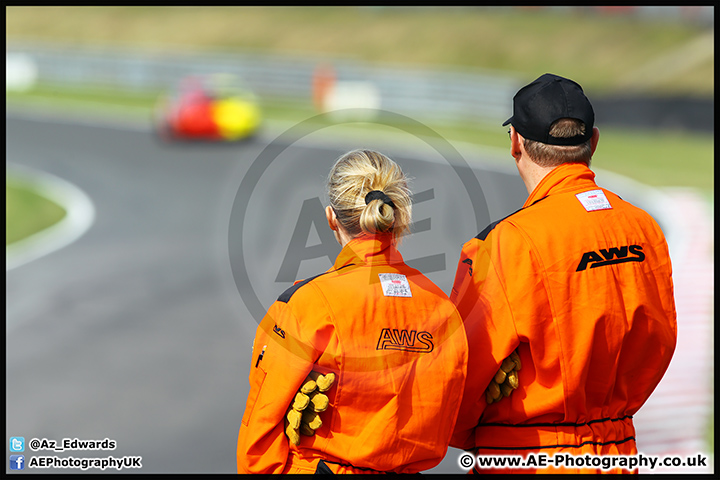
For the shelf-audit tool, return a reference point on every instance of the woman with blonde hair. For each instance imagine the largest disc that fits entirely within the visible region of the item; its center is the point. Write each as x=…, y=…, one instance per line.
x=358, y=369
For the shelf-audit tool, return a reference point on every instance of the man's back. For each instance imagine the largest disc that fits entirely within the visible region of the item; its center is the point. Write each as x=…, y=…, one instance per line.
x=580, y=282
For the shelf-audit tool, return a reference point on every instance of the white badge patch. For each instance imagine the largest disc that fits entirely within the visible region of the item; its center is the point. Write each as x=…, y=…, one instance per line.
x=594, y=200
x=395, y=285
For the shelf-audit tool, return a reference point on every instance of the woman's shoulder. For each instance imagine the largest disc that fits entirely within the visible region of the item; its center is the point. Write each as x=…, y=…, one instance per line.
x=316, y=280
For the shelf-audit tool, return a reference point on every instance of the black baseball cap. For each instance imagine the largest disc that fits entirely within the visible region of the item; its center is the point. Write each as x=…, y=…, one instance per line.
x=551, y=97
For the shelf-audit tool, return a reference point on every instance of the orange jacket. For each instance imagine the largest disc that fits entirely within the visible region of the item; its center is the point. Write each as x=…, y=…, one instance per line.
x=399, y=362
x=580, y=282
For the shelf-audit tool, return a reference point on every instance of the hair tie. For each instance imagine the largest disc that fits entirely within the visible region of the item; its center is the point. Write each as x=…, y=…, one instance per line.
x=378, y=195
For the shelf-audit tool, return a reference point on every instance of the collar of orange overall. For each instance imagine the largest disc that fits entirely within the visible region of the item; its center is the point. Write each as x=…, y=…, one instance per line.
x=564, y=178
x=370, y=250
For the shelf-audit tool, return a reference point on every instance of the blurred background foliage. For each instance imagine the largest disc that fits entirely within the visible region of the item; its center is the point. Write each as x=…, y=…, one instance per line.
x=614, y=49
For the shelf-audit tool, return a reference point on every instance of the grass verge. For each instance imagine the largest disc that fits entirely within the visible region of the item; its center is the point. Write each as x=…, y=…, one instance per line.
x=27, y=211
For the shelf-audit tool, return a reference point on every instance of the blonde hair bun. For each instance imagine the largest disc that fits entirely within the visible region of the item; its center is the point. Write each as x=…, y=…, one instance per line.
x=369, y=193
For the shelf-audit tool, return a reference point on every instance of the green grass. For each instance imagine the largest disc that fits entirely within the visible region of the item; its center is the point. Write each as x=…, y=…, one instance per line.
x=27, y=211
x=86, y=96
x=671, y=158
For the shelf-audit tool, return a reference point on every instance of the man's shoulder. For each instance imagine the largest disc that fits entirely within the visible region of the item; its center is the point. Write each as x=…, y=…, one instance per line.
x=514, y=218
x=483, y=235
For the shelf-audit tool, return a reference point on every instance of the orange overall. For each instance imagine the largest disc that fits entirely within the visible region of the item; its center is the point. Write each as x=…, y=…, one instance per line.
x=579, y=281
x=397, y=346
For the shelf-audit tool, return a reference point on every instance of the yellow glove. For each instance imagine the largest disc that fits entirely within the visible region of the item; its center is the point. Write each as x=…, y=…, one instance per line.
x=301, y=401
x=303, y=415
x=311, y=419
x=505, y=380
x=318, y=402
x=292, y=433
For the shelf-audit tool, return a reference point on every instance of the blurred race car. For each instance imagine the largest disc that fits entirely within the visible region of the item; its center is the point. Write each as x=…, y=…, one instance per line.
x=213, y=107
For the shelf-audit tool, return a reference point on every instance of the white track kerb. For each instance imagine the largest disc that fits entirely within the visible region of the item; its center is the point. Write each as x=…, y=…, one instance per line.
x=79, y=216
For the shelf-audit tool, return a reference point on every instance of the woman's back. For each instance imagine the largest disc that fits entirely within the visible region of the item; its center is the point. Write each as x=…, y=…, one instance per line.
x=397, y=347
x=393, y=340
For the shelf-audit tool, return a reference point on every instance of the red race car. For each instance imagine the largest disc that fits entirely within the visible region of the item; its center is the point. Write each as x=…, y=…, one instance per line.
x=215, y=107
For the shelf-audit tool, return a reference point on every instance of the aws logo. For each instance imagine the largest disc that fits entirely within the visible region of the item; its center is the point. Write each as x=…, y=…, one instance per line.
x=279, y=331
x=401, y=339
x=611, y=256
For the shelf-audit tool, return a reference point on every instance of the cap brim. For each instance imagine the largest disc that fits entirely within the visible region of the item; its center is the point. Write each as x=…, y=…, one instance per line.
x=509, y=120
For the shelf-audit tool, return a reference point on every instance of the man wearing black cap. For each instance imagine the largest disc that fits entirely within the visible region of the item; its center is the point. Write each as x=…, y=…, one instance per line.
x=576, y=287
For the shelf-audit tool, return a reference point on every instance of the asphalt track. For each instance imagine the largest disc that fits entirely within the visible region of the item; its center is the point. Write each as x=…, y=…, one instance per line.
x=140, y=330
